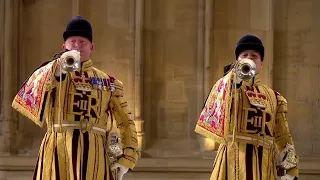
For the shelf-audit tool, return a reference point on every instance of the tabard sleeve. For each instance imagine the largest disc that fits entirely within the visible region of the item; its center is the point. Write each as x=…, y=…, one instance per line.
x=283, y=139
x=33, y=98
x=126, y=126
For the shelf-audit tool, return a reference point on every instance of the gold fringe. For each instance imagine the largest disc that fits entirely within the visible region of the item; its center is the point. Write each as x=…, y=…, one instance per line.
x=200, y=130
x=25, y=112
x=206, y=133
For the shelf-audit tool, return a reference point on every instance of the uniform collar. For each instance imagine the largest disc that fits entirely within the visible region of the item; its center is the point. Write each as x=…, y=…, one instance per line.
x=86, y=65
x=255, y=81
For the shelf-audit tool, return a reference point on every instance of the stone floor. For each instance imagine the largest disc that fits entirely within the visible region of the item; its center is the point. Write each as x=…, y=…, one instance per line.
x=20, y=168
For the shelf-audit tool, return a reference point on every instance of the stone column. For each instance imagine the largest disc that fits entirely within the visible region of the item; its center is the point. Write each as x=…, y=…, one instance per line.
x=9, y=72
x=138, y=71
x=75, y=7
x=203, y=64
x=2, y=15
x=261, y=20
x=135, y=72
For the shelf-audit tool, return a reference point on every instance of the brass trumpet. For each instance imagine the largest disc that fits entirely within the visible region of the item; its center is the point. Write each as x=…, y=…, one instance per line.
x=70, y=61
x=245, y=69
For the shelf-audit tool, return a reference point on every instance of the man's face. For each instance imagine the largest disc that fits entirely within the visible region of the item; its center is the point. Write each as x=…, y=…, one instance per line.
x=254, y=56
x=81, y=44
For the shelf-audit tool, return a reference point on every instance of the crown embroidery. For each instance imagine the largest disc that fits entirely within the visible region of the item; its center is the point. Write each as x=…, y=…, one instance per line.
x=82, y=83
x=257, y=99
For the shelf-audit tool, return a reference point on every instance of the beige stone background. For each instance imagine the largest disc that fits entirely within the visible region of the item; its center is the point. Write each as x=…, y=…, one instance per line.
x=168, y=53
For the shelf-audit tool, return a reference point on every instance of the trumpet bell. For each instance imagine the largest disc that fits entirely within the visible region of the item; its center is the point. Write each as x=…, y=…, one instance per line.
x=245, y=69
x=70, y=61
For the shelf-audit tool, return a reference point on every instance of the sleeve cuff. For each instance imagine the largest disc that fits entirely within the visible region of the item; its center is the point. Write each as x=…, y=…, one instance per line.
x=130, y=152
x=126, y=162
x=293, y=172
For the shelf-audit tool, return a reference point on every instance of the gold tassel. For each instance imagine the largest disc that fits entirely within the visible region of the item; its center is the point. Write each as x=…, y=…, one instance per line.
x=234, y=131
x=59, y=115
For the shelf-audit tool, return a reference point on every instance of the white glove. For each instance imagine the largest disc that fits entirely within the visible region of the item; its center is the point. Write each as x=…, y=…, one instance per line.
x=59, y=70
x=121, y=170
x=238, y=80
x=287, y=177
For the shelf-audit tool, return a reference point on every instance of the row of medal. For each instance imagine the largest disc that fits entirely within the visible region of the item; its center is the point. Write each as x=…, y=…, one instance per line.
x=102, y=83
x=86, y=84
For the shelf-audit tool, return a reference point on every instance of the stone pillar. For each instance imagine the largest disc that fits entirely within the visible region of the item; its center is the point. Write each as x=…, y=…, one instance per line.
x=75, y=7
x=138, y=70
x=9, y=72
x=261, y=20
x=2, y=14
x=203, y=64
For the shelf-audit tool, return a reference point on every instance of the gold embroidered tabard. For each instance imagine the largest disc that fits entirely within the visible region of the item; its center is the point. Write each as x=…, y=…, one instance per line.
x=260, y=130
x=257, y=115
x=79, y=109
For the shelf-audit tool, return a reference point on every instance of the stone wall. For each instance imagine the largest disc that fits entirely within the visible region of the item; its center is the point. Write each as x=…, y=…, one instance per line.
x=168, y=53
x=296, y=69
